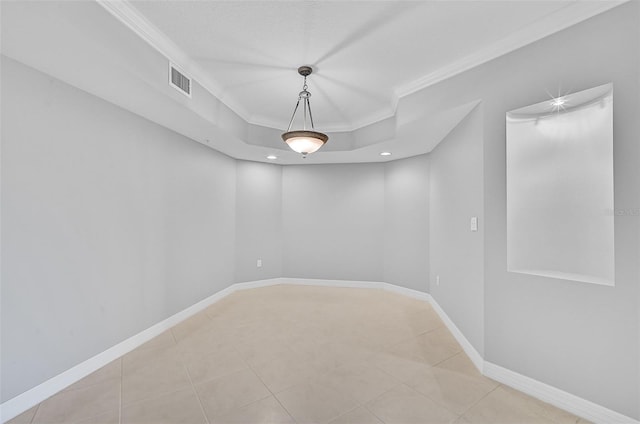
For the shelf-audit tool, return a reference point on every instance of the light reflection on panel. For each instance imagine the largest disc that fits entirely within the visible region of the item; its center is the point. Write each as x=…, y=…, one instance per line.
x=560, y=220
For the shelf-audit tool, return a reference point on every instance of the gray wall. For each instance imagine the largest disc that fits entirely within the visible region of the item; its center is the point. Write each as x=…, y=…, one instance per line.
x=456, y=253
x=579, y=337
x=333, y=218
x=364, y=222
x=258, y=221
x=406, y=223
x=109, y=224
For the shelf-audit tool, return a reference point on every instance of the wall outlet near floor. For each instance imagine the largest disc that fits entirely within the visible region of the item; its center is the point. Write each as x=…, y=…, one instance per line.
x=438, y=280
x=259, y=263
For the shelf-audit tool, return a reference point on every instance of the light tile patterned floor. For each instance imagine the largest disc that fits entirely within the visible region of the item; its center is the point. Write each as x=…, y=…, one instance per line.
x=297, y=354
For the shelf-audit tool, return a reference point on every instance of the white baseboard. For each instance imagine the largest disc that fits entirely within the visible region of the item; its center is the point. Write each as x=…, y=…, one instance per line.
x=415, y=294
x=468, y=348
x=256, y=284
x=332, y=283
x=537, y=389
x=546, y=393
x=17, y=405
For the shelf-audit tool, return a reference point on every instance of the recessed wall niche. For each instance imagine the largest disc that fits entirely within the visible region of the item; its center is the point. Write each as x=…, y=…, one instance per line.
x=560, y=211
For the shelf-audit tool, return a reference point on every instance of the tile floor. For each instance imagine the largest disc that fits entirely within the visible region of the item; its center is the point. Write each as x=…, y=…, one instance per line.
x=297, y=354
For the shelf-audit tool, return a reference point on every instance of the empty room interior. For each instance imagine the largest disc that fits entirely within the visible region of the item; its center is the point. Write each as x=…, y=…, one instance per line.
x=320, y=212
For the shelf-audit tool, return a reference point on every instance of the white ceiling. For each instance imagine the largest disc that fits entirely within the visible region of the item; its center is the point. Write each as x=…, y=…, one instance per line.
x=363, y=52
x=366, y=56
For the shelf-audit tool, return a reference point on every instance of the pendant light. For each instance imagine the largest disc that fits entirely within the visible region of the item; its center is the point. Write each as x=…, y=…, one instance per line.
x=304, y=141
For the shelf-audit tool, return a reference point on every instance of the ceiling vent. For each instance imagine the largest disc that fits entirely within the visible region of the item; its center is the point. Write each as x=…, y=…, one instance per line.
x=179, y=81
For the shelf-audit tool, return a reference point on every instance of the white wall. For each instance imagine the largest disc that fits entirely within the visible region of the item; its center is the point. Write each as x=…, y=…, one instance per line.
x=579, y=337
x=406, y=223
x=333, y=218
x=258, y=221
x=109, y=224
x=456, y=254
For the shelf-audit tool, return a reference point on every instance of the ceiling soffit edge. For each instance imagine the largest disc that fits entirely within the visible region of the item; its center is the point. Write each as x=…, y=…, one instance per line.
x=359, y=124
x=564, y=18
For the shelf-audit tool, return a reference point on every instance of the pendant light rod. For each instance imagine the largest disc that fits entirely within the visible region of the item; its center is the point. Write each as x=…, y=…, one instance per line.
x=310, y=115
x=295, y=109
x=306, y=102
x=304, y=141
x=305, y=71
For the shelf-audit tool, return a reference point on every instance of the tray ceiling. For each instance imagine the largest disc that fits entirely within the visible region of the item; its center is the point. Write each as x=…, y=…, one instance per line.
x=364, y=53
x=243, y=56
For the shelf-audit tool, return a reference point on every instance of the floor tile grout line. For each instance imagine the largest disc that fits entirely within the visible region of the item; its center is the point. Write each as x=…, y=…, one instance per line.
x=458, y=416
x=364, y=404
x=447, y=358
x=414, y=337
x=439, y=403
x=156, y=396
x=374, y=414
x=95, y=414
x=405, y=383
x=193, y=387
x=173, y=336
x=186, y=368
x=248, y=367
x=359, y=405
x=270, y=391
x=378, y=397
x=35, y=413
x=481, y=399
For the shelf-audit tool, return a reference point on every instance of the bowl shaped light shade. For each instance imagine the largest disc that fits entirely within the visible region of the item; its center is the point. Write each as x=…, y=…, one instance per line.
x=303, y=141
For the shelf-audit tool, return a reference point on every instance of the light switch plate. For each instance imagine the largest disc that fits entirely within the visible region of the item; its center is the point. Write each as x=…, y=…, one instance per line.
x=474, y=223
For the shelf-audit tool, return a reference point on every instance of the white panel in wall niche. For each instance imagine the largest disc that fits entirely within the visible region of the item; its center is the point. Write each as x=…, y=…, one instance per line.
x=560, y=220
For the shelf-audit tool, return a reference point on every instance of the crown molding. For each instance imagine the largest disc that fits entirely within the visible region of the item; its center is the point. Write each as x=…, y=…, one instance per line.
x=133, y=19
x=569, y=15
x=374, y=118
x=123, y=11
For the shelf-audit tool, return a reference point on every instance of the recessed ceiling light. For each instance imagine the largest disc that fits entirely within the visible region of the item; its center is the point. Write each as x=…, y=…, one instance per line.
x=272, y=157
x=385, y=154
x=558, y=102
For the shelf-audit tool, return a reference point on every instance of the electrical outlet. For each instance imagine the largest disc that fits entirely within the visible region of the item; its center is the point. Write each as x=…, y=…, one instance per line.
x=473, y=224
x=259, y=263
x=438, y=280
